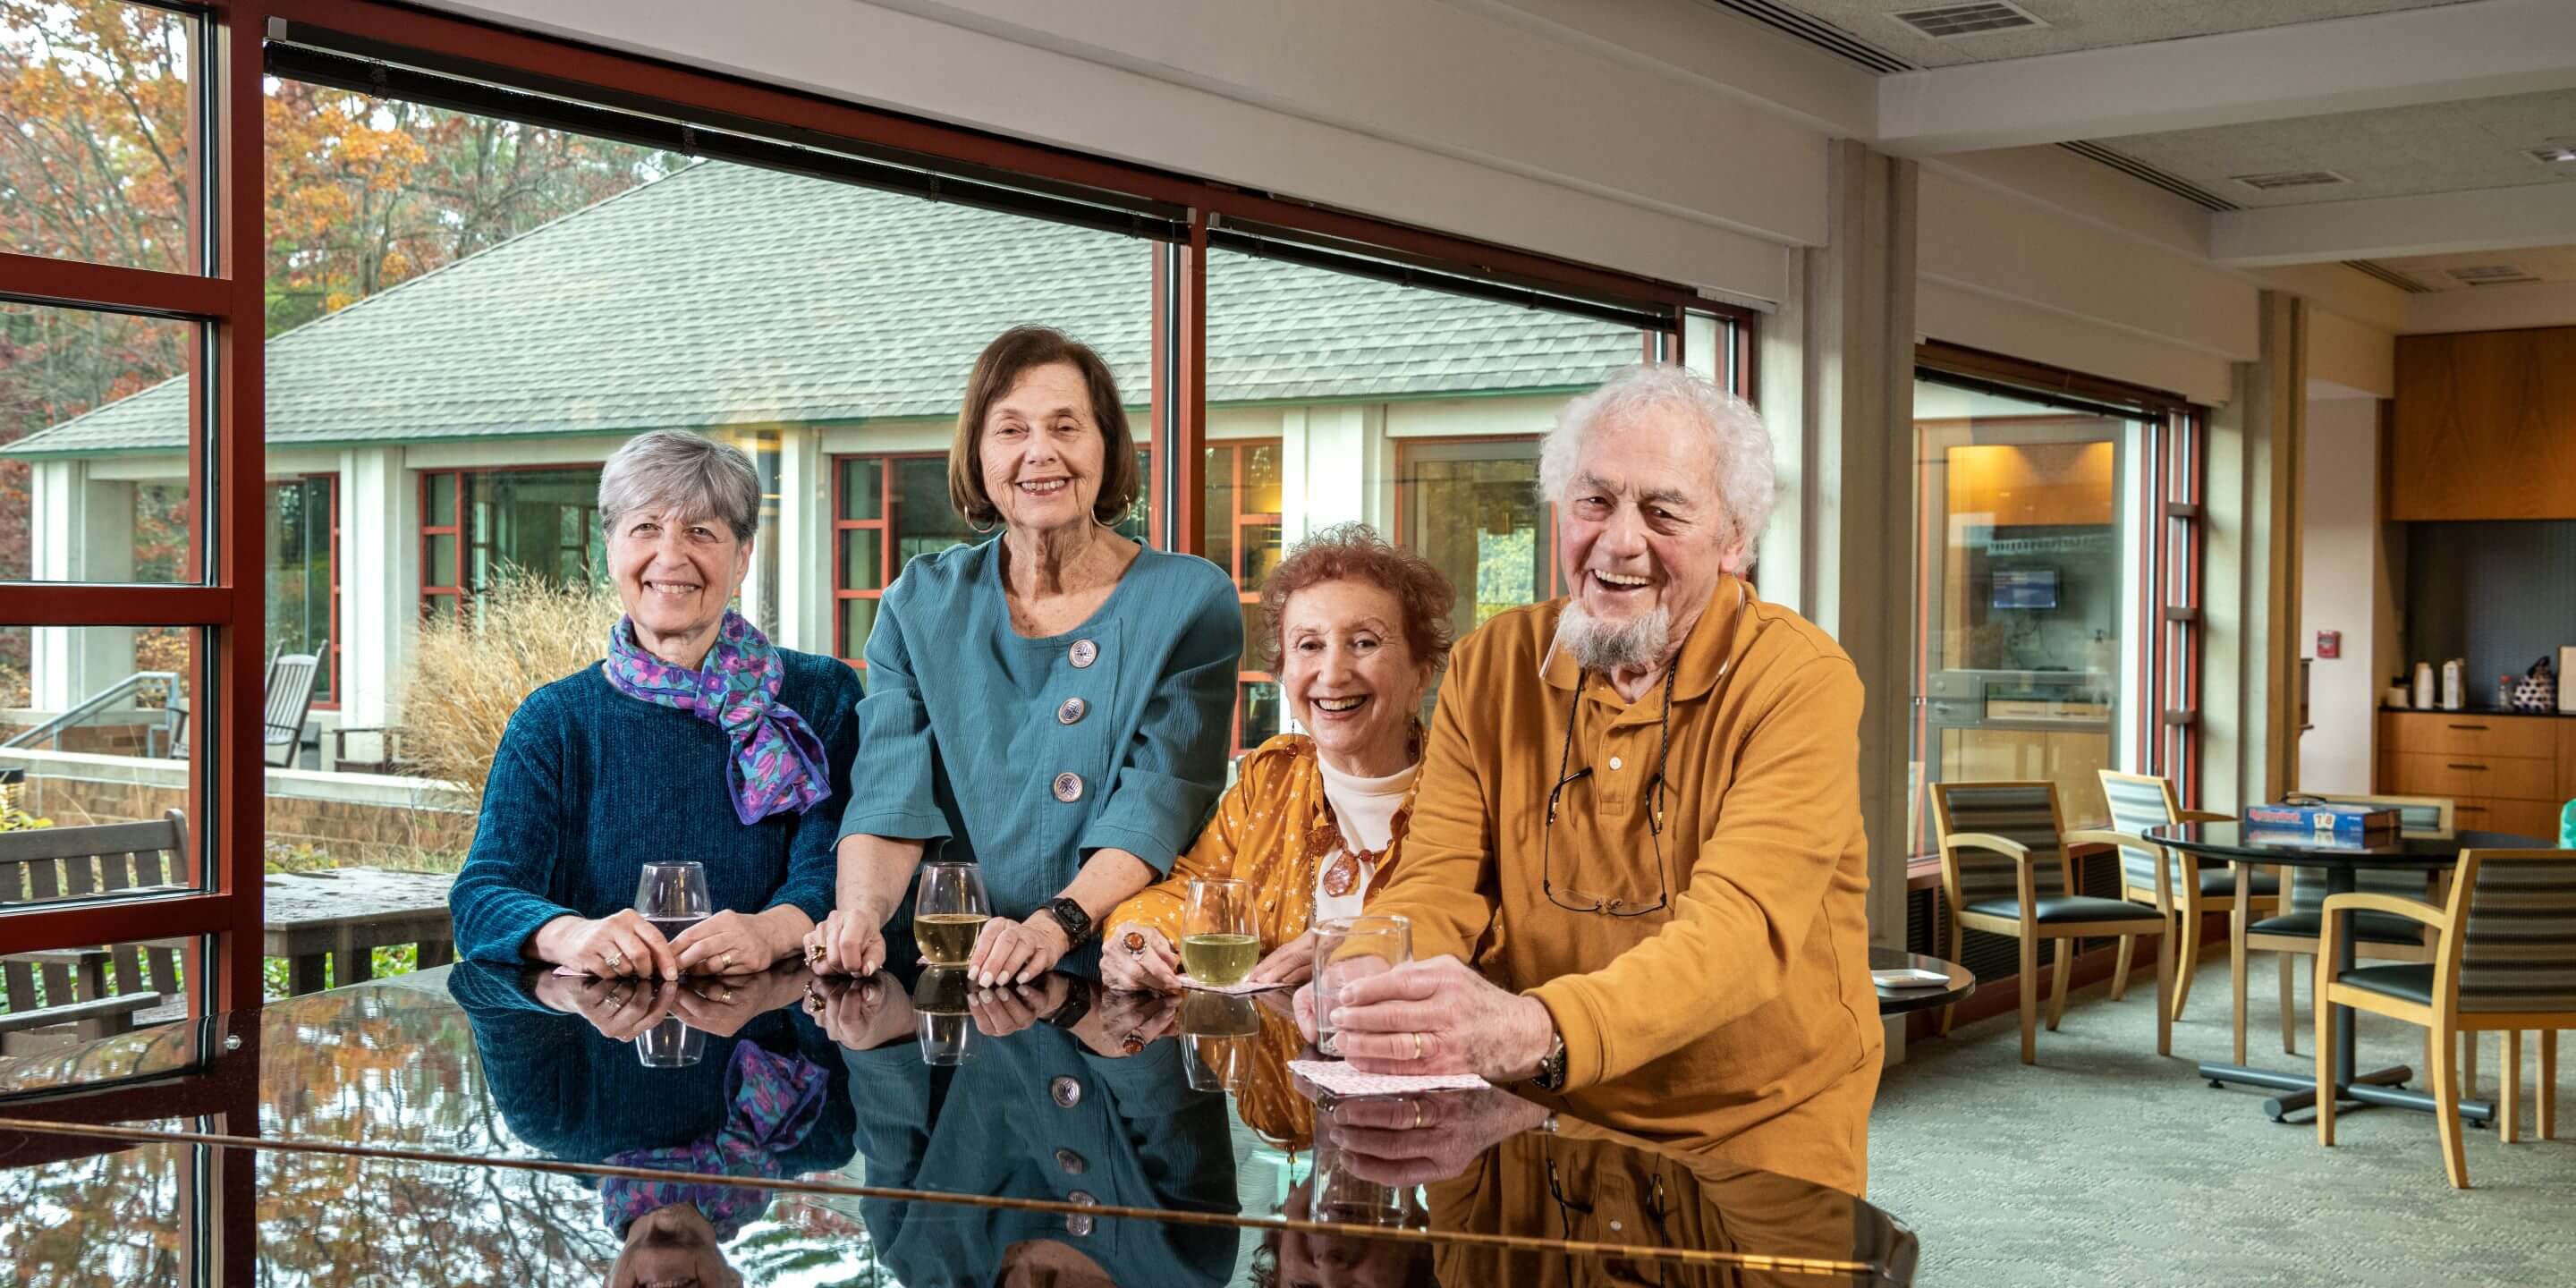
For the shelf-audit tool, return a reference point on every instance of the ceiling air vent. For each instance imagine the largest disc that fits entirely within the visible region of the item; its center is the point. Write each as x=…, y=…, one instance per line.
x=2492, y=275
x=2290, y=179
x=1951, y=21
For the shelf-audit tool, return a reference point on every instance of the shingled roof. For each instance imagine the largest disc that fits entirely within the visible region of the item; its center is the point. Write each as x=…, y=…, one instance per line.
x=723, y=295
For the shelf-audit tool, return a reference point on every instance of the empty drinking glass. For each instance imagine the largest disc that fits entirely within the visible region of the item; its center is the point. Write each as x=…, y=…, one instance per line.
x=670, y=1044
x=673, y=897
x=1349, y=949
x=949, y=912
x=940, y=1017
x=1218, y=945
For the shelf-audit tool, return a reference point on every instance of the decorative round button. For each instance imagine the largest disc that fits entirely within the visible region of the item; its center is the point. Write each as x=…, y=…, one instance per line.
x=1073, y=1164
x=1066, y=1092
x=1614, y=762
x=1084, y=653
x=1068, y=787
x=1080, y=1224
x=1072, y=709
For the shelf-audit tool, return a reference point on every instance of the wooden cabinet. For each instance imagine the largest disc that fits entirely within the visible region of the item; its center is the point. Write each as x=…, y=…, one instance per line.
x=2504, y=773
x=2485, y=426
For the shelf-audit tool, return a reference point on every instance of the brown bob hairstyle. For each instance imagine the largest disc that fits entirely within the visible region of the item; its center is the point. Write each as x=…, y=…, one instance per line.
x=1355, y=552
x=1011, y=355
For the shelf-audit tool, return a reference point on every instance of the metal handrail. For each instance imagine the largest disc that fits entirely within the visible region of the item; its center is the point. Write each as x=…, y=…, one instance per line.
x=99, y=702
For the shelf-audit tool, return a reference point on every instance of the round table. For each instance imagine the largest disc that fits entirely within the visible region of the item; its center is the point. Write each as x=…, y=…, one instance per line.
x=1897, y=1001
x=2338, y=863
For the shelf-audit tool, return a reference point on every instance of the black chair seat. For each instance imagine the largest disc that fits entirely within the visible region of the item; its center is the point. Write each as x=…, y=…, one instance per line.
x=2055, y=908
x=2221, y=883
x=2411, y=982
x=2364, y=927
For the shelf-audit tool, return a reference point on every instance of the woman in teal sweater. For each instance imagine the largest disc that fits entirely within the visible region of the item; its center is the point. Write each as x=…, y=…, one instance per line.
x=694, y=739
x=1053, y=705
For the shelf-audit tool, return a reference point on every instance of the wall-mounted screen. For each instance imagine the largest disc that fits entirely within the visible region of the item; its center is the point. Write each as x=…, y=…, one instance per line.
x=2025, y=588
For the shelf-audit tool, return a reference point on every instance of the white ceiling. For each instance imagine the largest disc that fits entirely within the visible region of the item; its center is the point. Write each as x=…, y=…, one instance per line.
x=2464, y=146
x=2079, y=24
x=2548, y=263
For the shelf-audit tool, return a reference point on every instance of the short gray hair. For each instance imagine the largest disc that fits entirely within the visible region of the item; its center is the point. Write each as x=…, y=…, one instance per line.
x=677, y=472
x=1739, y=445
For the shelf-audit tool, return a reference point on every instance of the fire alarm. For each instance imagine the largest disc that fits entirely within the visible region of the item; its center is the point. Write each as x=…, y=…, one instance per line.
x=2329, y=643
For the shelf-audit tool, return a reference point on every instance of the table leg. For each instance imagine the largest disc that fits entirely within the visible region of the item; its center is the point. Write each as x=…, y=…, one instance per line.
x=2343, y=880
x=304, y=974
x=357, y=965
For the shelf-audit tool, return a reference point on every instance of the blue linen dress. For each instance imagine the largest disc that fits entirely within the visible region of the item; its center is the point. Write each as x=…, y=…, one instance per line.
x=1026, y=755
x=589, y=785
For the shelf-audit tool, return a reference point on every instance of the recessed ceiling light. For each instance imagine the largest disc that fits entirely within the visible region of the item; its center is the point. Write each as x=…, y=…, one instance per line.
x=2554, y=153
x=2291, y=179
x=1951, y=21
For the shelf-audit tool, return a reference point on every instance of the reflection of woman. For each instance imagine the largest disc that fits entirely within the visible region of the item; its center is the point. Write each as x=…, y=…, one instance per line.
x=768, y=1099
x=1053, y=704
x=1313, y=821
x=696, y=738
x=1043, y=1114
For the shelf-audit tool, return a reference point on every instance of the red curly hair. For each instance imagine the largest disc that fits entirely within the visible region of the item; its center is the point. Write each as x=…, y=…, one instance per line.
x=1355, y=552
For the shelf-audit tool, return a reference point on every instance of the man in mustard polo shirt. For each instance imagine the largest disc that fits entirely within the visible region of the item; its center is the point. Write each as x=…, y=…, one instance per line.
x=1636, y=871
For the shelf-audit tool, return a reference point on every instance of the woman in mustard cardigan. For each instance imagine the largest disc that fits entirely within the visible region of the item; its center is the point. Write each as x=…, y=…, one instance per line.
x=1358, y=629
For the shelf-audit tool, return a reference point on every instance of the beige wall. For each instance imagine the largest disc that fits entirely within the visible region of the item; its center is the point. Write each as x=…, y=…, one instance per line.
x=2341, y=580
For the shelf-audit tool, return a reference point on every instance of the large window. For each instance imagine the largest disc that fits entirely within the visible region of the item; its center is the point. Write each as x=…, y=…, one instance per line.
x=1245, y=498
x=887, y=511
x=2042, y=558
x=476, y=523
x=1473, y=508
x=304, y=576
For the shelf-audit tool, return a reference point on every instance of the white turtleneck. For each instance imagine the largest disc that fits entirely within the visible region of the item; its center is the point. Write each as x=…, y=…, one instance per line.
x=1364, y=809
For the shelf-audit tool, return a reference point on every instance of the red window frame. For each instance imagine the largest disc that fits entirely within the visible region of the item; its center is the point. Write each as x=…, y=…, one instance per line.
x=455, y=526
x=883, y=525
x=331, y=662
x=1237, y=520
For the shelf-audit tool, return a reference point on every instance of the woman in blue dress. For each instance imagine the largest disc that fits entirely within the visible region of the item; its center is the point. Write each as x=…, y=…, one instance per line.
x=1053, y=705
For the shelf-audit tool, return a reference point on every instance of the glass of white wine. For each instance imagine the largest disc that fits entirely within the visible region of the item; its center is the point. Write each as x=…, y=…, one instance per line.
x=1217, y=943
x=948, y=912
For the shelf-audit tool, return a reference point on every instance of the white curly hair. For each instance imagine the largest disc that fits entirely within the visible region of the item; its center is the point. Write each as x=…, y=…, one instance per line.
x=1739, y=444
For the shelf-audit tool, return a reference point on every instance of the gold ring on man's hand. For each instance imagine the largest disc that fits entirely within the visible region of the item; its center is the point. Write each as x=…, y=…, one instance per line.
x=1417, y=1053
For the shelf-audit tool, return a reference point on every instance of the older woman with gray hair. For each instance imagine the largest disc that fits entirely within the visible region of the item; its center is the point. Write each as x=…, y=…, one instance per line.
x=695, y=738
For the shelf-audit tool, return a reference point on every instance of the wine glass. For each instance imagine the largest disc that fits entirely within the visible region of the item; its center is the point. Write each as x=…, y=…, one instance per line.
x=673, y=897
x=1218, y=945
x=1218, y=1037
x=949, y=911
x=1349, y=949
x=940, y=1016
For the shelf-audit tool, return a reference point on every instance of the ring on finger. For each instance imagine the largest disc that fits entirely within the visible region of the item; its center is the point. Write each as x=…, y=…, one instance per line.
x=1417, y=1055
x=615, y=960
x=1417, y=1115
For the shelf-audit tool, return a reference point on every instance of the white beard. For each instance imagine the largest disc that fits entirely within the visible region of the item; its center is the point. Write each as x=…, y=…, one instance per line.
x=1603, y=646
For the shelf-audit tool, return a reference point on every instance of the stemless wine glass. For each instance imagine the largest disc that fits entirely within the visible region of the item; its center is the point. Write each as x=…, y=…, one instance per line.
x=673, y=897
x=940, y=1017
x=1218, y=945
x=948, y=911
x=1218, y=1034
x=1348, y=949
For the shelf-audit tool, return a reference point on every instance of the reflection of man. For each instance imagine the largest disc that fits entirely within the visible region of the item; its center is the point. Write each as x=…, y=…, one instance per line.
x=1639, y=816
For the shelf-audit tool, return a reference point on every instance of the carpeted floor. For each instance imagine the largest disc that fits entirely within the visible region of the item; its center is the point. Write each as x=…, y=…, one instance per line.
x=2107, y=1164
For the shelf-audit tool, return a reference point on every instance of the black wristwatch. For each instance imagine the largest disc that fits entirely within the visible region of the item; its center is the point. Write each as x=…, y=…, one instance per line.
x=1077, y=1004
x=1076, y=922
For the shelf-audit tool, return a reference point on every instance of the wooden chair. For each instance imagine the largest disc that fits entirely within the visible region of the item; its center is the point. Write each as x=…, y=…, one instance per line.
x=2139, y=802
x=2293, y=933
x=2504, y=960
x=2005, y=870
x=290, y=704
x=44, y=864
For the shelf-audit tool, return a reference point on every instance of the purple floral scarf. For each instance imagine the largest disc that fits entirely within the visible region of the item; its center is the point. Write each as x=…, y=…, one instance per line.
x=773, y=1102
x=777, y=764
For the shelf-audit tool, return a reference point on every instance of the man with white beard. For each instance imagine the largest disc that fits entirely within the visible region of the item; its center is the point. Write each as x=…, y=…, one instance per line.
x=1636, y=870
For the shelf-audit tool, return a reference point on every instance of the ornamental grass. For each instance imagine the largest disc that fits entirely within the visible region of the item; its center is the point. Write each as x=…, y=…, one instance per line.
x=473, y=668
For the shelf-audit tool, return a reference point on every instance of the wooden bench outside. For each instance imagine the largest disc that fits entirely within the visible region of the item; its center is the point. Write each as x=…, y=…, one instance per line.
x=41, y=865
